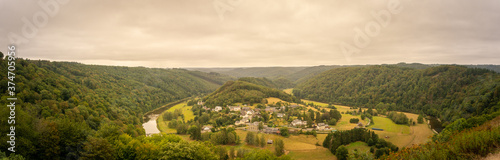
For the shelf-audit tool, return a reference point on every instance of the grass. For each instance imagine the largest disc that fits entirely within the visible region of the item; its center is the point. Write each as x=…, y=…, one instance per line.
x=186, y=110
x=289, y=91
x=300, y=147
x=400, y=135
x=389, y=126
x=362, y=147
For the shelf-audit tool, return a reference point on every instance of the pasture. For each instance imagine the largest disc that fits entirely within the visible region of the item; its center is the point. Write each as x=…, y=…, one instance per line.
x=186, y=111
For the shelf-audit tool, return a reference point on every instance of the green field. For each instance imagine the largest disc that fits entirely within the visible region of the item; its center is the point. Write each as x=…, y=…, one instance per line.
x=362, y=147
x=186, y=110
x=389, y=126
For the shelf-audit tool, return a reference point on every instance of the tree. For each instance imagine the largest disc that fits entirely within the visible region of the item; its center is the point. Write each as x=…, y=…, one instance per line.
x=262, y=141
x=284, y=131
x=222, y=152
x=420, y=119
x=342, y=153
x=261, y=126
x=279, y=147
x=195, y=132
x=97, y=148
x=250, y=139
x=232, y=153
x=354, y=120
x=332, y=122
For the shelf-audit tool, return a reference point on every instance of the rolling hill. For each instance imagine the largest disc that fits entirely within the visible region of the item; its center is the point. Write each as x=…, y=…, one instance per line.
x=244, y=92
x=448, y=92
x=65, y=110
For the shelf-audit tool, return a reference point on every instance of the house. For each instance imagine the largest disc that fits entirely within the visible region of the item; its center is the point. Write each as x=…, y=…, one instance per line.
x=206, y=129
x=377, y=129
x=297, y=122
x=360, y=125
x=234, y=108
x=254, y=126
x=280, y=115
x=201, y=103
x=321, y=126
x=269, y=141
x=218, y=108
x=206, y=108
x=283, y=108
x=241, y=122
x=250, y=112
x=245, y=108
x=270, y=109
x=271, y=130
x=237, y=123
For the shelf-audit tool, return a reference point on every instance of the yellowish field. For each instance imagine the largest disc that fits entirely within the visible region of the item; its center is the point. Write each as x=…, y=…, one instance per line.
x=300, y=147
x=289, y=91
x=344, y=123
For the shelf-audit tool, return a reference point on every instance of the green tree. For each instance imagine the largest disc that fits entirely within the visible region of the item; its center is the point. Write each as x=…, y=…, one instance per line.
x=420, y=119
x=195, y=132
x=342, y=153
x=279, y=147
x=97, y=148
x=262, y=141
x=284, y=131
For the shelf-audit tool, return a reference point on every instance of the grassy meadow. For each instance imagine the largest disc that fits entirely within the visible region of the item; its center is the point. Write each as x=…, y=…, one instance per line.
x=186, y=110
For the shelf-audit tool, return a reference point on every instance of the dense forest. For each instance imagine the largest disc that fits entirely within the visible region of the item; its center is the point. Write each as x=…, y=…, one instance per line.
x=244, y=92
x=448, y=92
x=280, y=83
x=70, y=110
x=301, y=74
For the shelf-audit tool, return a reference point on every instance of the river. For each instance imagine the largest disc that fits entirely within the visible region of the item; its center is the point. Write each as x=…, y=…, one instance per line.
x=150, y=117
x=435, y=124
x=150, y=126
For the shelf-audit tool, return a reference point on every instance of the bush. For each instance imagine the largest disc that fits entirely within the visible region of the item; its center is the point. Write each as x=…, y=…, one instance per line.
x=354, y=120
x=342, y=153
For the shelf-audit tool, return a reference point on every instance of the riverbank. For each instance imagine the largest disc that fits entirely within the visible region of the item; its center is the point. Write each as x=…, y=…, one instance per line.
x=148, y=115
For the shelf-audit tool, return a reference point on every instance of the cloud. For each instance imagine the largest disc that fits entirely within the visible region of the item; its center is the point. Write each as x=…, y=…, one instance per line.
x=189, y=33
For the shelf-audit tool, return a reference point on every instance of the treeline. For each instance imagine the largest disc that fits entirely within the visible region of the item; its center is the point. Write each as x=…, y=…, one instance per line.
x=244, y=92
x=337, y=139
x=64, y=109
x=280, y=83
x=447, y=92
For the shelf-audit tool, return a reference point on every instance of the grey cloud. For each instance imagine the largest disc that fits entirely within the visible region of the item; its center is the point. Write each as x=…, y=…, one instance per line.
x=189, y=33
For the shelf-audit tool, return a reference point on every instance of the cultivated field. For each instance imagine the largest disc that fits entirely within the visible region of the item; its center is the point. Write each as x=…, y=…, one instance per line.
x=400, y=135
x=300, y=147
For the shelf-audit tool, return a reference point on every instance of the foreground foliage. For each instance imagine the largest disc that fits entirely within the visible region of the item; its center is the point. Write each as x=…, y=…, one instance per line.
x=75, y=111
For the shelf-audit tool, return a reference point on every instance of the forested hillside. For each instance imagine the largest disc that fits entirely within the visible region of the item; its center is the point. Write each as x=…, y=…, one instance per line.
x=280, y=83
x=70, y=110
x=244, y=92
x=449, y=92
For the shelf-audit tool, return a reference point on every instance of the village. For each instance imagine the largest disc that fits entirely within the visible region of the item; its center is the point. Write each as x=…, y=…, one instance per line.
x=249, y=119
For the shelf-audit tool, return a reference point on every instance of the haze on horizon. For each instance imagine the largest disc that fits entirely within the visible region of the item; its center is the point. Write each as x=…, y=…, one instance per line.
x=253, y=33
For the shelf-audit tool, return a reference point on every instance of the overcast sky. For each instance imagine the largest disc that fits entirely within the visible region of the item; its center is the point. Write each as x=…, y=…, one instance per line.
x=246, y=33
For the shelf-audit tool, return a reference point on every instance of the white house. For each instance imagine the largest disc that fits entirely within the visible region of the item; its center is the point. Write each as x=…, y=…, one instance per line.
x=218, y=108
x=234, y=108
x=297, y=122
x=280, y=115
